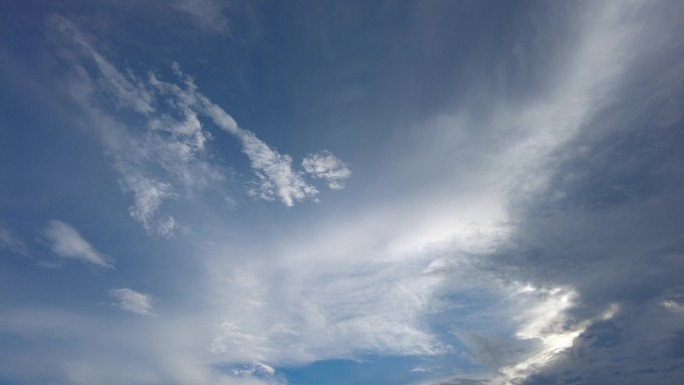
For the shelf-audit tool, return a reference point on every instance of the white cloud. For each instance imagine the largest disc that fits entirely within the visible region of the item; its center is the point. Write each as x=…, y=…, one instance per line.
x=276, y=178
x=165, y=161
x=367, y=280
x=255, y=369
x=325, y=165
x=148, y=195
x=176, y=141
x=207, y=13
x=544, y=321
x=336, y=310
x=10, y=241
x=67, y=243
x=126, y=92
x=133, y=301
x=363, y=281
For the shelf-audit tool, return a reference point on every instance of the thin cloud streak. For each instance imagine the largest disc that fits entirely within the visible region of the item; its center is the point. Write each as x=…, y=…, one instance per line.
x=133, y=301
x=10, y=241
x=67, y=243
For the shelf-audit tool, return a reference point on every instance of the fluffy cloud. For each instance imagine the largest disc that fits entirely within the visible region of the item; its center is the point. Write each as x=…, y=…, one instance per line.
x=67, y=243
x=133, y=301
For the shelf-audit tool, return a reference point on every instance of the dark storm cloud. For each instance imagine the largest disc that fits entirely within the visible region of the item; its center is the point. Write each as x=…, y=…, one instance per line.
x=609, y=224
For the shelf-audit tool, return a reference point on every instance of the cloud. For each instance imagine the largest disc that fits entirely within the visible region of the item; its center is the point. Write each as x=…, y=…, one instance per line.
x=276, y=178
x=597, y=216
x=209, y=14
x=324, y=165
x=67, y=243
x=10, y=241
x=271, y=314
x=579, y=185
x=72, y=349
x=133, y=301
x=163, y=159
x=461, y=381
x=148, y=195
x=517, y=233
x=256, y=369
x=175, y=139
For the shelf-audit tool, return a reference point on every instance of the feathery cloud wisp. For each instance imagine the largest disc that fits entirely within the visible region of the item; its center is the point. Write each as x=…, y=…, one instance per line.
x=133, y=301
x=325, y=165
x=10, y=241
x=67, y=243
x=174, y=141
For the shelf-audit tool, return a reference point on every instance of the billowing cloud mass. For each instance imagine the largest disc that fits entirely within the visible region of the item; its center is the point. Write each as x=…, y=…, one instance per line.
x=133, y=301
x=513, y=217
x=67, y=243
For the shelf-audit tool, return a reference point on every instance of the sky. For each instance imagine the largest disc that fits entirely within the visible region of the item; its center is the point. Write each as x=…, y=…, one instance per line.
x=341, y=192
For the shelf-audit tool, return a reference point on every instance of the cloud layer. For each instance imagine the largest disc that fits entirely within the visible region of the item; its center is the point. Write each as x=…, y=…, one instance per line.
x=524, y=231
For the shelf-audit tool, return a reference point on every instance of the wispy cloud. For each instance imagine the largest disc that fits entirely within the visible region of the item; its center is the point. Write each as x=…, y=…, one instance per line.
x=174, y=139
x=209, y=14
x=10, y=241
x=325, y=165
x=158, y=162
x=148, y=195
x=67, y=243
x=275, y=176
x=133, y=301
x=479, y=243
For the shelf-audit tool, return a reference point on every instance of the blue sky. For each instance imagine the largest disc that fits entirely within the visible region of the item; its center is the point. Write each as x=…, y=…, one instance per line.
x=269, y=193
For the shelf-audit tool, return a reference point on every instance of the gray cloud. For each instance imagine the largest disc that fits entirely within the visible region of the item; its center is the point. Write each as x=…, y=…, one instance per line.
x=607, y=221
x=546, y=236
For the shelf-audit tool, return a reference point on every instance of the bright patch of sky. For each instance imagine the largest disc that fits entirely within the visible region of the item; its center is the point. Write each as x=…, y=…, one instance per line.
x=469, y=192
